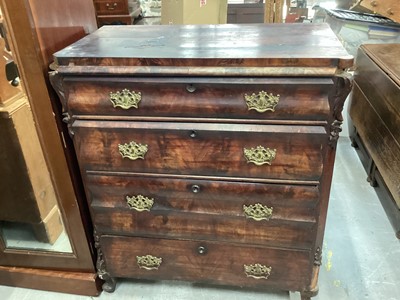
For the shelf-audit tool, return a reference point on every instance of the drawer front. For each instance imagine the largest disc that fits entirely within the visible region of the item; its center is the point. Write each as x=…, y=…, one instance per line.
x=156, y=195
x=264, y=214
x=251, y=151
x=287, y=99
x=113, y=7
x=206, y=262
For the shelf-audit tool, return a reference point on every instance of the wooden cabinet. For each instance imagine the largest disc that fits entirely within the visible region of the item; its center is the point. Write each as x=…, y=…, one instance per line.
x=115, y=12
x=204, y=160
x=375, y=122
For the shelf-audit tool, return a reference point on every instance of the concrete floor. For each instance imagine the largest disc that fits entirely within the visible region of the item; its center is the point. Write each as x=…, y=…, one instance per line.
x=360, y=254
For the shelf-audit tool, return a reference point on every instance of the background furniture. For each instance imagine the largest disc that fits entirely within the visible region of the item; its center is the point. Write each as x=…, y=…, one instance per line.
x=375, y=122
x=27, y=193
x=387, y=8
x=116, y=12
x=209, y=168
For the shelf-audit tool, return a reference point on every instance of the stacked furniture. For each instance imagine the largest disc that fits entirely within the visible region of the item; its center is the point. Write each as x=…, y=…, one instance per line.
x=207, y=151
x=375, y=122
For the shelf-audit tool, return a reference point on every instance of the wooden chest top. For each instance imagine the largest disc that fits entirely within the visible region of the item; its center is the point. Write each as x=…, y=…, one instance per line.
x=386, y=56
x=252, y=45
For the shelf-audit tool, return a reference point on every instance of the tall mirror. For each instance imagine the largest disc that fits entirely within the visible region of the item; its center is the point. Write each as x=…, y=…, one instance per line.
x=29, y=213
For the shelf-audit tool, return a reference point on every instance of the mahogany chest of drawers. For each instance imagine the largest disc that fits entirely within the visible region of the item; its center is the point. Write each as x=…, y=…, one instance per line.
x=375, y=122
x=207, y=151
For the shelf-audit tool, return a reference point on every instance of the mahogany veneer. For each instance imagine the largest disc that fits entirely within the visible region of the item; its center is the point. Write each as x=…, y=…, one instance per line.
x=201, y=200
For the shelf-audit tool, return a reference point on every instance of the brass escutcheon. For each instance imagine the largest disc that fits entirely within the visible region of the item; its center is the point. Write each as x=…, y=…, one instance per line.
x=257, y=271
x=149, y=262
x=259, y=155
x=140, y=203
x=262, y=101
x=125, y=99
x=132, y=150
x=258, y=212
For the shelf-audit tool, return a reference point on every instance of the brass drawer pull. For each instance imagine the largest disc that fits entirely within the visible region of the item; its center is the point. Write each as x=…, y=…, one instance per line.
x=149, y=262
x=259, y=155
x=111, y=7
x=125, y=99
x=140, y=203
x=132, y=150
x=258, y=212
x=257, y=271
x=262, y=101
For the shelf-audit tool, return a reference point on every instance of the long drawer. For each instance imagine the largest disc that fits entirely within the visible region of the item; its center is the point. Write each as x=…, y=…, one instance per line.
x=206, y=262
x=264, y=214
x=161, y=195
x=251, y=151
x=256, y=98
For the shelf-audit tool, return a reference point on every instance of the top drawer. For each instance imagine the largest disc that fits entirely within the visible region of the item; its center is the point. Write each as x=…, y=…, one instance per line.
x=254, y=98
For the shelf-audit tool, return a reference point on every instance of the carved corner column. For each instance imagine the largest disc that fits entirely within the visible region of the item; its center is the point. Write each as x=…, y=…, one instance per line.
x=343, y=84
x=109, y=281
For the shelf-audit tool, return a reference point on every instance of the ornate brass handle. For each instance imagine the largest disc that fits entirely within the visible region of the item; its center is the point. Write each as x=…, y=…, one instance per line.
x=258, y=212
x=257, y=271
x=140, y=203
x=125, y=99
x=259, y=155
x=132, y=150
x=148, y=262
x=262, y=101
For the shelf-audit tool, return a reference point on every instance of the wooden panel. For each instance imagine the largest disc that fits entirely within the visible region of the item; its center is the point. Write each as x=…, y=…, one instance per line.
x=220, y=264
x=279, y=45
x=57, y=281
x=176, y=225
x=203, y=196
x=382, y=92
x=213, y=149
x=301, y=99
x=384, y=150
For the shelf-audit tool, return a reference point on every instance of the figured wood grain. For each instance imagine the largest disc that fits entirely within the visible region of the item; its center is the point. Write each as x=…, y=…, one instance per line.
x=216, y=149
x=221, y=264
x=258, y=45
x=224, y=198
x=303, y=99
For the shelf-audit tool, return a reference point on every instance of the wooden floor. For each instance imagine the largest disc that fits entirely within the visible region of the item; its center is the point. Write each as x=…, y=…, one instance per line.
x=360, y=253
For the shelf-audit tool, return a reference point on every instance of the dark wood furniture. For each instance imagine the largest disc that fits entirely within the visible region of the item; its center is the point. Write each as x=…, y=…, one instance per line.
x=206, y=151
x=36, y=29
x=245, y=13
x=375, y=122
x=114, y=12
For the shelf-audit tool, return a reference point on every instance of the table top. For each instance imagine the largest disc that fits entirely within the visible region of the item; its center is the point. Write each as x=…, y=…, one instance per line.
x=232, y=45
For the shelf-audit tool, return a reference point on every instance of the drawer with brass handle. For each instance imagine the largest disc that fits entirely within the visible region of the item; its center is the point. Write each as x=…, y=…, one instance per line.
x=225, y=150
x=206, y=262
x=258, y=98
x=111, y=7
x=210, y=209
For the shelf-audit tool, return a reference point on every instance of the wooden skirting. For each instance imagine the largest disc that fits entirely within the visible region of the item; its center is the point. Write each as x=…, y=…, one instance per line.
x=87, y=284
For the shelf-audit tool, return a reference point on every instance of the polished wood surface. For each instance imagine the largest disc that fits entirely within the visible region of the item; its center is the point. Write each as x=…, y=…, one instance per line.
x=201, y=97
x=57, y=281
x=195, y=124
x=246, y=45
x=219, y=264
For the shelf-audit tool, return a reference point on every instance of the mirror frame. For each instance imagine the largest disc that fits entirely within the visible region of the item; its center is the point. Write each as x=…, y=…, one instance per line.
x=28, y=53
